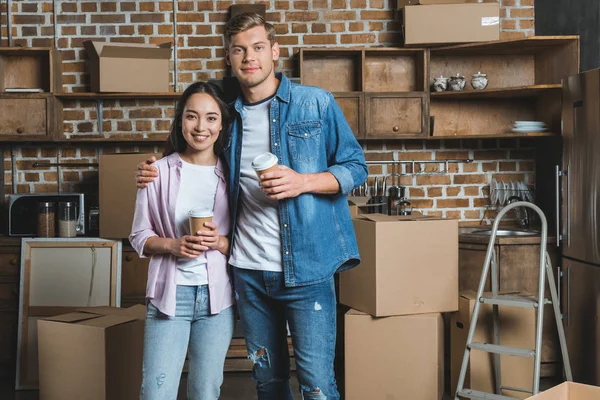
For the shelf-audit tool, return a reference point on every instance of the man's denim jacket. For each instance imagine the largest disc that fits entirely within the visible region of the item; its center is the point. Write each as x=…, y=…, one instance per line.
x=309, y=134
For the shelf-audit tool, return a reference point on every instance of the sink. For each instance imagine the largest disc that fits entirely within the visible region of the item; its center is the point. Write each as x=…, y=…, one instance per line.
x=506, y=232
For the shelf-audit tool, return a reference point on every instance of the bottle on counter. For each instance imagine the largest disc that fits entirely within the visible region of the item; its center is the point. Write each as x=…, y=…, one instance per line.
x=46, y=220
x=67, y=219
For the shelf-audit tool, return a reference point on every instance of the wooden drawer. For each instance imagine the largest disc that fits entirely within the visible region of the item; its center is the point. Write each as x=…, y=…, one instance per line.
x=352, y=107
x=8, y=345
x=396, y=115
x=26, y=116
x=9, y=268
x=9, y=297
x=134, y=275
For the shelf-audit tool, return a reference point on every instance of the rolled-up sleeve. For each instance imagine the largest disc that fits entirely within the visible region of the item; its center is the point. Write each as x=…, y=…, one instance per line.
x=142, y=227
x=346, y=160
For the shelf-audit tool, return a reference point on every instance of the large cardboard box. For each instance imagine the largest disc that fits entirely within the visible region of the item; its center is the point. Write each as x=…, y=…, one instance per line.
x=569, y=391
x=438, y=24
x=398, y=357
x=517, y=329
x=94, y=354
x=409, y=265
x=128, y=67
x=117, y=193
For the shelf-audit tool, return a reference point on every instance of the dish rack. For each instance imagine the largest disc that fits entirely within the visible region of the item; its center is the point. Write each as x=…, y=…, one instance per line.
x=501, y=192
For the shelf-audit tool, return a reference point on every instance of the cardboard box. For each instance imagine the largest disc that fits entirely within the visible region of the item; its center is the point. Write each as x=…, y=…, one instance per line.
x=517, y=329
x=128, y=67
x=409, y=266
x=398, y=357
x=569, y=391
x=117, y=193
x=438, y=24
x=358, y=205
x=94, y=354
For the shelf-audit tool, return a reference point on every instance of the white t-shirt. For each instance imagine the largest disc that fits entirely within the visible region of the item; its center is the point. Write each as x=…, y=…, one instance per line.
x=198, y=189
x=257, y=243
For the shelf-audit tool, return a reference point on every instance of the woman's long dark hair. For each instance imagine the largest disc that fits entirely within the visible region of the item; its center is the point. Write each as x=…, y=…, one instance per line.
x=176, y=142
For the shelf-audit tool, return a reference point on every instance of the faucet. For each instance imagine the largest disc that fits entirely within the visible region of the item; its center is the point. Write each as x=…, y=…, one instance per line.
x=523, y=222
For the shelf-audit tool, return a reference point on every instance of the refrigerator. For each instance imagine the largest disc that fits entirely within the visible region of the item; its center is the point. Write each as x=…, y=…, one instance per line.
x=578, y=210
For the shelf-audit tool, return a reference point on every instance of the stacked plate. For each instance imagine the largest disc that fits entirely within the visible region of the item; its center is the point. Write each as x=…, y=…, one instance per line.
x=529, y=126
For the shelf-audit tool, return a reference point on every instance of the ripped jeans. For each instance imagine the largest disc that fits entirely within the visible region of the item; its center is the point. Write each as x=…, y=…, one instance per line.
x=265, y=305
x=166, y=342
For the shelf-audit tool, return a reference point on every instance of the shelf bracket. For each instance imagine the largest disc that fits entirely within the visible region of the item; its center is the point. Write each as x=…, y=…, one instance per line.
x=99, y=115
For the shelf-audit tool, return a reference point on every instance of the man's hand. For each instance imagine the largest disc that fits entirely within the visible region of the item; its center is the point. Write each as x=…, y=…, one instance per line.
x=283, y=184
x=187, y=246
x=145, y=173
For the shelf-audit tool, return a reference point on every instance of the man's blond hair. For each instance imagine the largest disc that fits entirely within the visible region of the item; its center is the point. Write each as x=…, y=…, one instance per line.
x=243, y=22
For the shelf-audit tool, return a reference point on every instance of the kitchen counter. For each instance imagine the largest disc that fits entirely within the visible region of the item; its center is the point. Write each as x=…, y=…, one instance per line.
x=465, y=236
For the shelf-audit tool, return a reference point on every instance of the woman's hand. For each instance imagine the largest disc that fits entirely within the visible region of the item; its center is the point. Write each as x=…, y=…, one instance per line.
x=187, y=246
x=212, y=239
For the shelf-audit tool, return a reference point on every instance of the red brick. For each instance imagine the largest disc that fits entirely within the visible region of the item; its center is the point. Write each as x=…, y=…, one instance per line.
x=300, y=4
x=416, y=192
x=69, y=153
x=433, y=180
x=85, y=127
x=507, y=3
x=318, y=28
x=490, y=155
x=320, y=39
x=108, y=30
x=375, y=26
x=73, y=115
x=143, y=126
x=526, y=166
x=224, y=17
x=358, y=39
x=107, y=18
x=191, y=65
x=471, y=191
x=205, y=5
x=384, y=15
x=339, y=16
x=489, y=166
x=87, y=152
x=50, y=176
x=453, y=214
x=289, y=40
x=28, y=19
x=452, y=203
x=282, y=5
x=124, y=126
x=377, y=3
x=128, y=7
x=205, y=41
x=141, y=18
x=223, y=5
x=472, y=214
x=216, y=64
x=470, y=179
x=301, y=16
x=358, y=3
x=29, y=31
x=521, y=12
x=471, y=167
x=526, y=3
x=108, y=7
x=357, y=26
x=319, y=4
x=147, y=6
x=509, y=24
x=88, y=30
x=336, y=27
x=526, y=24
x=29, y=8
x=299, y=28
x=74, y=67
x=434, y=191
x=193, y=53
x=68, y=30
x=69, y=7
x=337, y=4
x=162, y=125
x=165, y=6
x=185, y=6
x=453, y=190
x=145, y=29
x=421, y=203
x=126, y=30
x=508, y=166
x=89, y=7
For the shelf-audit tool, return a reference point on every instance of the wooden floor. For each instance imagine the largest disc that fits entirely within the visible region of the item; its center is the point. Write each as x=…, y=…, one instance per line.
x=236, y=386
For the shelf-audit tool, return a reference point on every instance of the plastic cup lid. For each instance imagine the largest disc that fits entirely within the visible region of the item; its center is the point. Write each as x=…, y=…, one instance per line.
x=200, y=212
x=264, y=161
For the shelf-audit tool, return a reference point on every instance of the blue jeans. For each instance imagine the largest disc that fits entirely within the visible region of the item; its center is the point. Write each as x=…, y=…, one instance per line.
x=265, y=305
x=166, y=344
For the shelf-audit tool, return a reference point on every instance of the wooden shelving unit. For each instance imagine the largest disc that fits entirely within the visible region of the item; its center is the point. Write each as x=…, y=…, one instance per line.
x=384, y=93
x=116, y=96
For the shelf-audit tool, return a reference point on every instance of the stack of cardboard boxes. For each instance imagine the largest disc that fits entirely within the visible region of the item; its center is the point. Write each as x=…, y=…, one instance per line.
x=394, y=333
x=436, y=22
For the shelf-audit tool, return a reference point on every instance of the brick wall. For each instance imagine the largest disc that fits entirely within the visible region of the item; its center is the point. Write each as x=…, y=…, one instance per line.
x=301, y=23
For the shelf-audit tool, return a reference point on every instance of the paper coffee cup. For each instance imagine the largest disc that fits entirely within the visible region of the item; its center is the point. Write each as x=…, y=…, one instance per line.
x=264, y=163
x=197, y=217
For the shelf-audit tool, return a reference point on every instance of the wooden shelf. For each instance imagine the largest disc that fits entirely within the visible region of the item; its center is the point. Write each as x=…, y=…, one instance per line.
x=504, y=136
x=116, y=138
x=522, y=91
x=117, y=96
x=530, y=45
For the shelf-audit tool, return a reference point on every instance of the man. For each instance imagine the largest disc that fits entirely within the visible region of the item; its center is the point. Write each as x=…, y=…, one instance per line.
x=292, y=229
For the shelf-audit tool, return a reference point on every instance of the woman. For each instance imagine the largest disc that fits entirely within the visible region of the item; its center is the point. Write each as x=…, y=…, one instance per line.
x=189, y=294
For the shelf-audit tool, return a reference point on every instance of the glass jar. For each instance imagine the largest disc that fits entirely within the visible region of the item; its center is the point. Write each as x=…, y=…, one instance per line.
x=46, y=227
x=67, y=219
x=404, y=207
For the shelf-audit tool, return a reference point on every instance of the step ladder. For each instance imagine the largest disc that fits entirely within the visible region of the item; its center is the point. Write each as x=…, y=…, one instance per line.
x=496, y=300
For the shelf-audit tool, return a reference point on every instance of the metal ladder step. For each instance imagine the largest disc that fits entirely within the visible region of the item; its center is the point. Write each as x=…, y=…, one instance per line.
x=512, y=300
x=475, y=394
x=497, y=349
